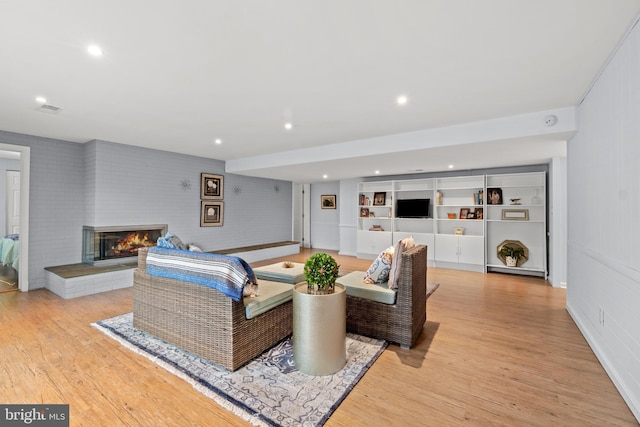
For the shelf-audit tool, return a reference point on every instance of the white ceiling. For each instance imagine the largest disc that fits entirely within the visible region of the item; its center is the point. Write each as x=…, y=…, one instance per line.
x=177, y=75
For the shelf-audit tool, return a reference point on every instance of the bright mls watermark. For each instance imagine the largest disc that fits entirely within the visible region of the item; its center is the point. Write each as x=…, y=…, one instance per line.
x=34, y=415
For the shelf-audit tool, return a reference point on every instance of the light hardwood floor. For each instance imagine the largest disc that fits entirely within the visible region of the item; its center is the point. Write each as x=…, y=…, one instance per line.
x=496, y=350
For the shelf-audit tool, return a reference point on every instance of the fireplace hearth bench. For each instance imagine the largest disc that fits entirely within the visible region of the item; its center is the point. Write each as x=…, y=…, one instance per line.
x=81, y=279
x=261, y=252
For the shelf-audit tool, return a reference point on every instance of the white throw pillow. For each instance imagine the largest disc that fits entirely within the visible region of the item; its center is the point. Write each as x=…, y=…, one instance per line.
x=394, y=274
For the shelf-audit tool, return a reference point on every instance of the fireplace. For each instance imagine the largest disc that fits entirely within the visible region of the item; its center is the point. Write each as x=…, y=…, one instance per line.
x=118, y=244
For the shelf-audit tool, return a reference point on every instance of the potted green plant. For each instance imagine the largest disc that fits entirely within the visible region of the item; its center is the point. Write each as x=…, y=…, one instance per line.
x=512, y=254
x=321, y=272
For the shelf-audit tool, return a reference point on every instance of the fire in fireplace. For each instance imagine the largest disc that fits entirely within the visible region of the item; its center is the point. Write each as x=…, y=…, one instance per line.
x=114, y=245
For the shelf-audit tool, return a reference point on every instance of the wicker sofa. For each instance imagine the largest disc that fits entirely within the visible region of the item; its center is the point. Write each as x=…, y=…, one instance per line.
x=403, y=321
x=203, y=320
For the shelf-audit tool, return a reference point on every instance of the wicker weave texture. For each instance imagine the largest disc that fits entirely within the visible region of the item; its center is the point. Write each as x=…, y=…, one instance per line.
x=204, y=321
x=402, y=322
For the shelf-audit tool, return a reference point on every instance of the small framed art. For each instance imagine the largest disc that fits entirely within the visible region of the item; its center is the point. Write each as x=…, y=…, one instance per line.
x=211, y=214
x=211, y=186
x=379, y=199
x=515, y=214
x=328, y=201
x=464, y=212
x=494, y=196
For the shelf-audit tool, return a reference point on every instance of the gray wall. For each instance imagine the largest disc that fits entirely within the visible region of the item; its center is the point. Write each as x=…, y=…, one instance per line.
x=103, y=183
x=603, y=289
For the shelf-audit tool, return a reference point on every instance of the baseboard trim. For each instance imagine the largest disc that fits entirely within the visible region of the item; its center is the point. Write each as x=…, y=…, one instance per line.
x=606, y=364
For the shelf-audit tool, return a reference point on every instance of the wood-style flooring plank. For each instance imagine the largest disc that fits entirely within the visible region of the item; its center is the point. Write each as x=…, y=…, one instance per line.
x=497, y=350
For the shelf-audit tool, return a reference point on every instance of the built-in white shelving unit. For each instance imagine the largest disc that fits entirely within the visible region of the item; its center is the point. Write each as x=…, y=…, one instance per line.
x=459, y=240
x=522, y=217
x=420, y=227
x=461, y=228
x=375, y=222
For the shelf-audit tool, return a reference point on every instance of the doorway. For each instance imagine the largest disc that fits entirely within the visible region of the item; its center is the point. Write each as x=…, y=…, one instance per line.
x=302, y=214
x=22, y=153
x=10, y=243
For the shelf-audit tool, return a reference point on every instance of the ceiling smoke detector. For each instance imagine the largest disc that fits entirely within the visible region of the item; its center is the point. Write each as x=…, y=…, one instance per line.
x=550, y=120
x=47, y=108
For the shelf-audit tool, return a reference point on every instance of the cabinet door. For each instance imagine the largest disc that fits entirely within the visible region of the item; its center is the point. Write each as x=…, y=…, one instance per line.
x=471, y=250
x=446, y=248
x=373, y=242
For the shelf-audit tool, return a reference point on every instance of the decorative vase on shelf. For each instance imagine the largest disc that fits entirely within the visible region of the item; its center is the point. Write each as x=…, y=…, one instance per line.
x=536, y=200
x=439, y=198
x=511, y=261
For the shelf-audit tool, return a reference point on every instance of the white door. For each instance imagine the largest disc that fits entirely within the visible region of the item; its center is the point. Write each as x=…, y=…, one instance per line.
x=302, y=214
x=13, y=202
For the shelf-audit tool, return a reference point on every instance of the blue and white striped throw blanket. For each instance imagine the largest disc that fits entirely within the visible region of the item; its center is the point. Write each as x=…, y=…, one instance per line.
x=227, y=274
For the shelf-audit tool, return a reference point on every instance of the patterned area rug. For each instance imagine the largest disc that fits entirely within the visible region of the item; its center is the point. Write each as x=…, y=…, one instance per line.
x=269, y=391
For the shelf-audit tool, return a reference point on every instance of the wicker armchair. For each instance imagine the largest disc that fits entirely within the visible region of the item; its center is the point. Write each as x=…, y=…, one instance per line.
x=403, y=321
x=204, y=321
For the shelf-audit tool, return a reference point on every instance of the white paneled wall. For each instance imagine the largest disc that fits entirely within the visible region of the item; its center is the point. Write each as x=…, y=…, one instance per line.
x=603, y=289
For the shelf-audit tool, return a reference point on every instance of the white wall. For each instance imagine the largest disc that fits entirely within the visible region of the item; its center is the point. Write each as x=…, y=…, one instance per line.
x=558, y=222
x=603, y=289
x=349, y=216
x=324, y=222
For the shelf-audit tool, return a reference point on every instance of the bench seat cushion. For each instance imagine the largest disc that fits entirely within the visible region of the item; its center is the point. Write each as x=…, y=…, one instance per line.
x=278, y=273
x=378, y=292
x=271, y=294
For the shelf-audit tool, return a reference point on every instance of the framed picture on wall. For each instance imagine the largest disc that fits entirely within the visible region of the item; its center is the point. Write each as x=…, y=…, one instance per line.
x=328, y=201
x=211, y=186
x=211, y=214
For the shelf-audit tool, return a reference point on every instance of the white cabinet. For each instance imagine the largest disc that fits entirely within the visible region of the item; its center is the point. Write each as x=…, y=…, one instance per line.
x=371, y=243
x=461, y=250
x=521, y=217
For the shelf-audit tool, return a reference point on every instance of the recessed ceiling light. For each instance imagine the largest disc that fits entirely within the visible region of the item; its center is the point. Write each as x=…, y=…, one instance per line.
x=377, y=172
x=288, y=126
x=218, y=141
x=325, y=176
x=41, y=99
x=94, y=50
x=450, y=166
x=402, y=100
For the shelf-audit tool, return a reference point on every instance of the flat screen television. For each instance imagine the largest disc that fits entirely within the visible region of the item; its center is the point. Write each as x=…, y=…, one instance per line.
x=412, y=208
